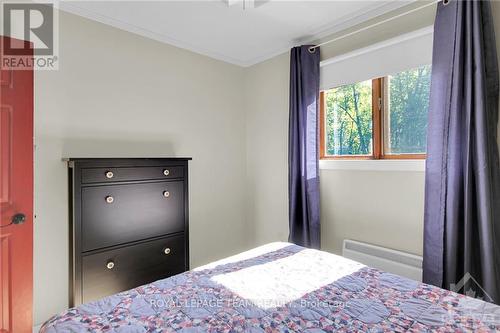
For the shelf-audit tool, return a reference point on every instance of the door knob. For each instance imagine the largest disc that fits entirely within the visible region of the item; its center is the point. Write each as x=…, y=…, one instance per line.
x=18, y=218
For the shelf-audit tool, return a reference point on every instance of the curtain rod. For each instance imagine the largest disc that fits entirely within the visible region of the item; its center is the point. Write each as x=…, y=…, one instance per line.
x=313, y=48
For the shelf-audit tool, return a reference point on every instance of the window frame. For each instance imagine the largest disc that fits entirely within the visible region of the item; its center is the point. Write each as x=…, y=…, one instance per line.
x=379, y=109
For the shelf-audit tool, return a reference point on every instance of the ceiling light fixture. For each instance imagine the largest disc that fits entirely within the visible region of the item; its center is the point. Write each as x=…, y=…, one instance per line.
x=245, y=3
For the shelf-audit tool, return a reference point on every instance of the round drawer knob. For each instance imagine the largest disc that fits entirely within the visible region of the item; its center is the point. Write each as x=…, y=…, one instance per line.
x=167, y=250
x=110, y=199
x=166, y=172
x=166, y=194
x=109, y=174
x=110, y=265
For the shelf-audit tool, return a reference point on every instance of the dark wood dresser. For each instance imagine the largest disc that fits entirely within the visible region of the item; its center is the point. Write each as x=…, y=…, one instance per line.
x=129, y=223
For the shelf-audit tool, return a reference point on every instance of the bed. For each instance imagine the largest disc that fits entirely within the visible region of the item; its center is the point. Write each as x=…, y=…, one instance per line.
x=280, y=287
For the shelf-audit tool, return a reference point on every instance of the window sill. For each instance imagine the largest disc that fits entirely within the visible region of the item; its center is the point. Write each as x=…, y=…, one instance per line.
x=373, y=165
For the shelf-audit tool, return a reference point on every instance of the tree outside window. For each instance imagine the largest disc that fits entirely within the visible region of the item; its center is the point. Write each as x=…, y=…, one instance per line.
x=381, y=118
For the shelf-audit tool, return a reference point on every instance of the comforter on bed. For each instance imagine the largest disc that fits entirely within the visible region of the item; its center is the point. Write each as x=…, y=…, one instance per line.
x=282, y=287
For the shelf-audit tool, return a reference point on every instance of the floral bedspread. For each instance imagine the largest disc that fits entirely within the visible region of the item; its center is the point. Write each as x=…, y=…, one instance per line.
x=282, y=287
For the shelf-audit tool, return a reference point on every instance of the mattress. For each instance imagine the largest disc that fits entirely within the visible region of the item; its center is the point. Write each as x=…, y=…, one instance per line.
x=281, y=287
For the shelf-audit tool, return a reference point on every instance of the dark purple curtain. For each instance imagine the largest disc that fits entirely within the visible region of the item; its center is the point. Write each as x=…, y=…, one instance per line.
x=303, y=171
x=462, y=186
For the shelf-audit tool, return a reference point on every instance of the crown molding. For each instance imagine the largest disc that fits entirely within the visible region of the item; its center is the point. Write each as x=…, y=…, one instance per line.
x=345, y=23
x=429, y=30
x=71, y=8
x=315, y=34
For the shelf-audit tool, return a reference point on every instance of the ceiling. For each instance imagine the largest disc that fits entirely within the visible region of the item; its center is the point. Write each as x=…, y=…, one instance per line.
x=230, y=33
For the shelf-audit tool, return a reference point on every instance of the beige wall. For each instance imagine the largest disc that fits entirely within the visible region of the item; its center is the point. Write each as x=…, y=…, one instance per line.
x=266, y=105
x=416, y=20
x=117, y=94
x=379, y=207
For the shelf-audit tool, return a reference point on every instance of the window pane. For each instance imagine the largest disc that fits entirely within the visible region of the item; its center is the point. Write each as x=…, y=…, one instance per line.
x=349, y=119
x=406, y=115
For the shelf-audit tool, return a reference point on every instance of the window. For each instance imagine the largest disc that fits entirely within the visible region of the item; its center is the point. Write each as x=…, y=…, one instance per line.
x=384, y=118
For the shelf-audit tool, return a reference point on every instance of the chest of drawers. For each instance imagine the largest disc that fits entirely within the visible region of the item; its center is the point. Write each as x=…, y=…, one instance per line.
x=128, y=223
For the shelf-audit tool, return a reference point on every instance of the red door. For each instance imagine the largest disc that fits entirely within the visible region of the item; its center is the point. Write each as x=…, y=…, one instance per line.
x=16, y=200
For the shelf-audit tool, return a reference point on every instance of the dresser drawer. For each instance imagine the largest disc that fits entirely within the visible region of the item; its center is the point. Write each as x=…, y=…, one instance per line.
x=99, y=175
x=113, y=271
x=117, y=214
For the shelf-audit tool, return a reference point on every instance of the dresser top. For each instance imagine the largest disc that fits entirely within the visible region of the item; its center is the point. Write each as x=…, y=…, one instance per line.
x=125, y=162
x=90, y=159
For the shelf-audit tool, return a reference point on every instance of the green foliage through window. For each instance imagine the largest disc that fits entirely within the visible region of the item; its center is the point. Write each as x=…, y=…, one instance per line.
x=406, y=119
x=349, y=119
x=404, y=101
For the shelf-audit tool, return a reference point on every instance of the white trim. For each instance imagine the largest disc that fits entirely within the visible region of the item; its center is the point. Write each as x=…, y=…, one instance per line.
x=388, y=260
x=69, y=7
x=345, y=23
x=327, y=30
x=350, y=21
x=429, y=30
x=373, y=165
x=406, y=51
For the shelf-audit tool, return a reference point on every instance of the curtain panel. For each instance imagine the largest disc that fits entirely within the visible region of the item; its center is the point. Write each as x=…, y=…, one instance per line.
x=462, y=188
x=303, y=154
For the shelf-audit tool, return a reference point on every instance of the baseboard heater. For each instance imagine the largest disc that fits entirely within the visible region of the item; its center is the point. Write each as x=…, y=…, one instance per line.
x=388, y=260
